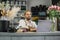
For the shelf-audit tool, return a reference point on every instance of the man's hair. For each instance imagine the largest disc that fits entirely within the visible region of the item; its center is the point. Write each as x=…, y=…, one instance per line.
x=27, y=11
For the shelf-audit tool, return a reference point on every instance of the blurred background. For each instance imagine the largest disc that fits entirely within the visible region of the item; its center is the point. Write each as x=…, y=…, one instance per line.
x=39, y=14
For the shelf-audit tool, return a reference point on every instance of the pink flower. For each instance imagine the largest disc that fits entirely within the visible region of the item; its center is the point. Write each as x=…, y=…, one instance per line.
x=51, y=7
x=58, y=7
x=54, y=7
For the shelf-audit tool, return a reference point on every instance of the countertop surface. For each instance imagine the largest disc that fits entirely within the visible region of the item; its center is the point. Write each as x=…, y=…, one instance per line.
x=30, y=34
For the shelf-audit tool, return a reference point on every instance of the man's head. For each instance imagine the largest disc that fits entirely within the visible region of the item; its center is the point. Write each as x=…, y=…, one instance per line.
x=27, y=15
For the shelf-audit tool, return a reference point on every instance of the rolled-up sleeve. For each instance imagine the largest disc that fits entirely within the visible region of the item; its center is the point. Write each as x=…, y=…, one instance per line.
x=34, y=24
x=21, y=24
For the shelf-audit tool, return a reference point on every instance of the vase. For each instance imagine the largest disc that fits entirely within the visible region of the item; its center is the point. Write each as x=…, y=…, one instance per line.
x=54, y=24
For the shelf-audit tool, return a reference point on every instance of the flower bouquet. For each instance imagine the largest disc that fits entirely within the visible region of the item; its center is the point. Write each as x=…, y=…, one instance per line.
x=54, y=12
x=8, y=11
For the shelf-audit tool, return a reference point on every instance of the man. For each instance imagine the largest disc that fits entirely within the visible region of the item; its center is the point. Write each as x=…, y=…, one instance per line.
x=27, y=23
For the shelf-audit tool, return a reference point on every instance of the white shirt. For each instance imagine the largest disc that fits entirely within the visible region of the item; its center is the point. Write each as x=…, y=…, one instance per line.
x=24, y=23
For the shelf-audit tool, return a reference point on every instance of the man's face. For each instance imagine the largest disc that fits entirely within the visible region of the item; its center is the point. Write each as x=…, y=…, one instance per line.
x=28, y=15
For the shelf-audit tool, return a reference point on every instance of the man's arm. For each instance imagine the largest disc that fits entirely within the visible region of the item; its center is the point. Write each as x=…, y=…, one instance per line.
x=35, y=25
x=34, y=28
x=20, y=24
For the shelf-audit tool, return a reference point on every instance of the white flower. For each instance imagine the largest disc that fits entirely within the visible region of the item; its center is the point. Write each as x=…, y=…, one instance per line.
x=12, y=13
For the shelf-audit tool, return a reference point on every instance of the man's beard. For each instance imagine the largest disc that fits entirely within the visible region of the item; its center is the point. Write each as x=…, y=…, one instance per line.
x=28, y=18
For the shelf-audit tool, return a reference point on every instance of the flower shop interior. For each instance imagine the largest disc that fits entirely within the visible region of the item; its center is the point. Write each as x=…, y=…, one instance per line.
x=44, y=13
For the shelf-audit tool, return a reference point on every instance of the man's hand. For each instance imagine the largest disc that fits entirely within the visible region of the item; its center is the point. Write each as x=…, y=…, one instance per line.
x=33, y=29
x=23, y=29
